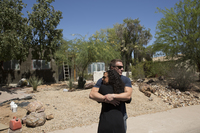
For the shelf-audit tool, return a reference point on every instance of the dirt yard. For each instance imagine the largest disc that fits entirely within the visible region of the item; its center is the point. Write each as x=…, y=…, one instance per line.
x=71, y=109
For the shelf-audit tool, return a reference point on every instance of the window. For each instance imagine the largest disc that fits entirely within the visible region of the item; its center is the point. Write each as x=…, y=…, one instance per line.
x=97, y=66
x=93, y=67
x=41, y=64
x=11, y=65
x=89, y=69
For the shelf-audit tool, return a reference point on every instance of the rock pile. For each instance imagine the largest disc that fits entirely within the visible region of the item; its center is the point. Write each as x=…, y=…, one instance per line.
x=147, y=89
x=173, y=97
x=35, y=115
x=89, y=85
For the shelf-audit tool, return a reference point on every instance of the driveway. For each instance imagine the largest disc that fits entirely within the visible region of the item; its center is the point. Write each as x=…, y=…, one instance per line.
x=178, y=120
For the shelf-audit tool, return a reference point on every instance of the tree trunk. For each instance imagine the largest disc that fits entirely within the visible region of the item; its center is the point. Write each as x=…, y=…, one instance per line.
x=135, y=56
x=123, y=59
x=198, y=69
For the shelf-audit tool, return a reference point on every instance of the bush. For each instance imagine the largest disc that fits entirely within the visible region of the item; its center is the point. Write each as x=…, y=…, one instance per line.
x=88, y=76
x=181, y=76
x=153, y=69
x=138, y=71
x=35, y=82
x=70, y=84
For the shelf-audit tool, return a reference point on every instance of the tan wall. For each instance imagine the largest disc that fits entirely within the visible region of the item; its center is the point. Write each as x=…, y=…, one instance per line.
x=26, y=70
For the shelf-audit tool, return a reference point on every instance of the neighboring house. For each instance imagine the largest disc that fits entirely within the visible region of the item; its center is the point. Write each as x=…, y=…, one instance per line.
x=13, y=71
x=163, y=58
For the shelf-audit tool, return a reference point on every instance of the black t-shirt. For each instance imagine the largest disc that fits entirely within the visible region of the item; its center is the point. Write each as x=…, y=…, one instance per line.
x=111, y=117
x=127, y=83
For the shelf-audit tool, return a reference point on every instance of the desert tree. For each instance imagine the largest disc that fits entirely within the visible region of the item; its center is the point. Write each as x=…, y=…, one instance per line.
x=133, y=37
x=86, y=50
x=15, y=35
x=178, y=32
x=46, y=38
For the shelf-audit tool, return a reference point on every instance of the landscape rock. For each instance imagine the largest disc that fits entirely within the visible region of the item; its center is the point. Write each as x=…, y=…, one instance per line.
x=150, y=81
x=150, y=99
x=147, y=93
x=140, y=80
x=147, y=89
x=24, y=120
x=35, y=106
x=161, y=78
x=89, y=85
x=49, y=117
x=175, y=97
x=35, y=119
x=23, y=82
x=187, y=92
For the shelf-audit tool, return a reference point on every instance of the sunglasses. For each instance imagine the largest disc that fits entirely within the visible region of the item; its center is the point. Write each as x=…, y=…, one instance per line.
x=120, y=67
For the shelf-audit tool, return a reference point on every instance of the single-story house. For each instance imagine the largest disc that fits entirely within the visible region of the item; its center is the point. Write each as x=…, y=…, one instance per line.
x=13, y=71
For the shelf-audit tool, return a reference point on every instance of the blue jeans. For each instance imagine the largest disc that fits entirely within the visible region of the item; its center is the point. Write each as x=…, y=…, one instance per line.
x=125, y=124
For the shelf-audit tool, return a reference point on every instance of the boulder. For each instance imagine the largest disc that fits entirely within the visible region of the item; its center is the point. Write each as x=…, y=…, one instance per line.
x=147, y=93
x=24, y=120
x=147, y=89
x=140, y=80
x=150, y=81
x=35, y=106
x=35, y=119
x=49, y=117
x=89, y=85
x=161, y=78
x=23, y=82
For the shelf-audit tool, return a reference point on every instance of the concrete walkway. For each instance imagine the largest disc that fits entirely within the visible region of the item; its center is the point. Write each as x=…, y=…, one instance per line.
x=178, y=120
x=13, y=95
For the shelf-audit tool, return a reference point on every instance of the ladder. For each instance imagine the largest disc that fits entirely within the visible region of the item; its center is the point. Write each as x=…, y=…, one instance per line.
x=66, y=71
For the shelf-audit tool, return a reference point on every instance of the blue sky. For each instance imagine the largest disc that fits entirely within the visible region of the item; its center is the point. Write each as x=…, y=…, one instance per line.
x=88, y=16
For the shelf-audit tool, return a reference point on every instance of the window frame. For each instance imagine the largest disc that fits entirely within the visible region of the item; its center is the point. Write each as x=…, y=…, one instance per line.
x=11, y=62
x=94, y=67
x=41, y=64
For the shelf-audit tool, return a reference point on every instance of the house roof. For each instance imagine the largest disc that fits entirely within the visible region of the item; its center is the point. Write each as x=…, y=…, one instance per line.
x=164, y=58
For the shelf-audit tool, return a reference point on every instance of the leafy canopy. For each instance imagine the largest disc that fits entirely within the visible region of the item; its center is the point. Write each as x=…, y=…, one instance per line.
x=85, y=51
x=132, y=38
x=178, y=32
x=46, y=37
x=15, y=32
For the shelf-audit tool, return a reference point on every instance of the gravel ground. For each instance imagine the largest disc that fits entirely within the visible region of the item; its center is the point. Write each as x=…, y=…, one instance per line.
x=72, y=109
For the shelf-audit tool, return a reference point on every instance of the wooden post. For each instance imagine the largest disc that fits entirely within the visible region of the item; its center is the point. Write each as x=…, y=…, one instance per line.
x=74, y=69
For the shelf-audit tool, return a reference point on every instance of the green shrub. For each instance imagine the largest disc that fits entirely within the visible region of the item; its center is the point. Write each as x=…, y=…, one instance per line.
x=181, y=76
x=70, y=84
x=138, y=71
x=88, y=76
x=35, y=82
x=153, y=69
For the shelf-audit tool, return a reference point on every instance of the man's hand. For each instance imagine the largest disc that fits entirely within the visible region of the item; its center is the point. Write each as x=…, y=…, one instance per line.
x=109, y=98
